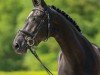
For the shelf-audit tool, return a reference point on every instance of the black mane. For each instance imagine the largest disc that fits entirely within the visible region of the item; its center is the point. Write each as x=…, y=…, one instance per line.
x=67, y=17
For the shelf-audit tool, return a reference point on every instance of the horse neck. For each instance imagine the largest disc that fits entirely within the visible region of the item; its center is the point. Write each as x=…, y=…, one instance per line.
x=75, y=48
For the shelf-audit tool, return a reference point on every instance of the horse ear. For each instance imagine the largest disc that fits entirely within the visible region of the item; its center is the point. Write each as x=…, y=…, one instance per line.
x=38, y=2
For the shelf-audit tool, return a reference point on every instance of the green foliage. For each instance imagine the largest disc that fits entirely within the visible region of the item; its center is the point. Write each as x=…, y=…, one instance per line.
x=12, y=17
x=9, y=11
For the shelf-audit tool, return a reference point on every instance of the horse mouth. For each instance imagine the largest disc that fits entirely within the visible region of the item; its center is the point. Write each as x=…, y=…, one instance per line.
x=20, y=52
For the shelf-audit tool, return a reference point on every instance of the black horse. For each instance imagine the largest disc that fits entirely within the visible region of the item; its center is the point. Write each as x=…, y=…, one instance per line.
x=78, y=56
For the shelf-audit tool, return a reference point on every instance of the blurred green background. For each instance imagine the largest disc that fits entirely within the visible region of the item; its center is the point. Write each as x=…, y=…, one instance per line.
x=12, y=17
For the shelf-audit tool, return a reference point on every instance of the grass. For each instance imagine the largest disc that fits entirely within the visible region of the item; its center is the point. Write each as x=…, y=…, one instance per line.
x=26, y=73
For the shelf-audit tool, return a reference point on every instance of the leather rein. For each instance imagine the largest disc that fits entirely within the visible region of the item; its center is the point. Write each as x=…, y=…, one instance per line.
x=31, y=37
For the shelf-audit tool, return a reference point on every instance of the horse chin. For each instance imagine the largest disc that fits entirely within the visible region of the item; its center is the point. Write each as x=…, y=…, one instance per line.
x=36, y=43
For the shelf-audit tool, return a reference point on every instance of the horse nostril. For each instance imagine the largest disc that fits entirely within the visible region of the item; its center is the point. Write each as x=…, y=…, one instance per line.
x=17, y=46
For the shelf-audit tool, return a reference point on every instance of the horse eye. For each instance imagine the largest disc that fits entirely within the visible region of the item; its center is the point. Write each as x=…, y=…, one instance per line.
x=34, y=18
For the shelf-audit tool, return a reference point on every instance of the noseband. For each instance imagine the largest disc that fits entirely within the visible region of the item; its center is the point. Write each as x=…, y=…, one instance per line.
x=30, y=37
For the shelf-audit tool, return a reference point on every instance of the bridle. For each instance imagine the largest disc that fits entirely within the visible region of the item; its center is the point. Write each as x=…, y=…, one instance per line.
x=30, y=37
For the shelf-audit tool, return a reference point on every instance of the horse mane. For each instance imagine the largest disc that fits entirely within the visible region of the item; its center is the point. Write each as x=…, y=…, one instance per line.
x=67, y=17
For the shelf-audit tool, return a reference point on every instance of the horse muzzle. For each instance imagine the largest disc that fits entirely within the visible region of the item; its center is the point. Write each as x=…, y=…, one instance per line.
x=20, y=45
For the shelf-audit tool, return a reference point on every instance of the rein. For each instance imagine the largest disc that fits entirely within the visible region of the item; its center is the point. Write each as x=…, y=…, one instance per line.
x=37, y=57
x=31, y=37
